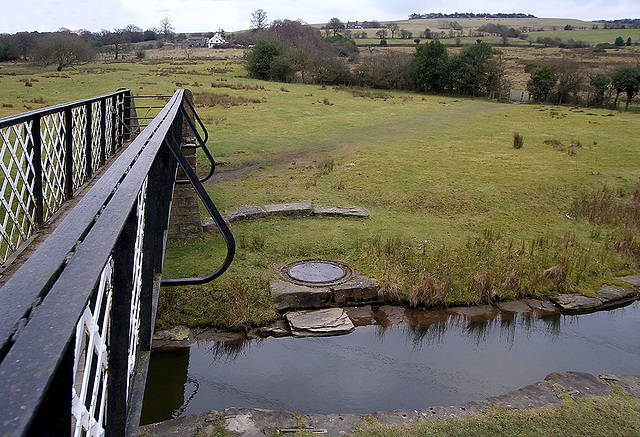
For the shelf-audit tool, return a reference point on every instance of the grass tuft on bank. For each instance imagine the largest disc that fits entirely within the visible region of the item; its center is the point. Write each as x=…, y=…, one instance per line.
x=615, y=415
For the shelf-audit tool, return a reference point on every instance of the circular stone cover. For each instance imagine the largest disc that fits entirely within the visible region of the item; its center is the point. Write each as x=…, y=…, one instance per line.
x=316, y=272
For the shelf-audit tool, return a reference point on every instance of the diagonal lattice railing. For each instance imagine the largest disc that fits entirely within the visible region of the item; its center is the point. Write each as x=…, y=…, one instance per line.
x=77, y=317
x=48, y=154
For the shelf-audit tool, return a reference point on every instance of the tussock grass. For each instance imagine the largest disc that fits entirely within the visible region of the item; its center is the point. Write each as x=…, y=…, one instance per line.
x=224, y=100
x=235, y=302
x=491, y=268
x=518, y=140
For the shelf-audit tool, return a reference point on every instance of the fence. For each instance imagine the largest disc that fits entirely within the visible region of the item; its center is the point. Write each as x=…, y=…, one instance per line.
x=47, y=154
x=76, y=320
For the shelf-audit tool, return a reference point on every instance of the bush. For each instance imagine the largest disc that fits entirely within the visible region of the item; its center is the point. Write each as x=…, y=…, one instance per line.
x=260, y=58
x=384, y=43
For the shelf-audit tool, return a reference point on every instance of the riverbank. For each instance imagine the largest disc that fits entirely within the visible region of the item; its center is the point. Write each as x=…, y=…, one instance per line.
x=559, y=391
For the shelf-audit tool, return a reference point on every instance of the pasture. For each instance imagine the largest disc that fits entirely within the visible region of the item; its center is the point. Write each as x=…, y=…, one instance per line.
x=454, y=206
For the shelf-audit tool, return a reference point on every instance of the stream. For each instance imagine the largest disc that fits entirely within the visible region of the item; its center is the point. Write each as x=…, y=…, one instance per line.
x=406, y=359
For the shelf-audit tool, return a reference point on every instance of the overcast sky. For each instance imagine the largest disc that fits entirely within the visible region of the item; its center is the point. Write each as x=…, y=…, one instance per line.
x=232, y=15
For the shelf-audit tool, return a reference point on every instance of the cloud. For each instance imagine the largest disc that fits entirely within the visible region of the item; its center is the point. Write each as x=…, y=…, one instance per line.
x=233, y=15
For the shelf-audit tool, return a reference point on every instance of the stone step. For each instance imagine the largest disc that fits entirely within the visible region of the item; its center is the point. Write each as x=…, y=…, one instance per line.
x=357, y=290
x=319, y=323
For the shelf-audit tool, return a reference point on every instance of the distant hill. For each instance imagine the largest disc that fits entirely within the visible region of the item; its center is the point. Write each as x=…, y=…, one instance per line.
x=429, y=15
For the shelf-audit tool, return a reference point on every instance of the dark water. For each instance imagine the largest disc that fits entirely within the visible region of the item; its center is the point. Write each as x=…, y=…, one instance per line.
x=432, y=358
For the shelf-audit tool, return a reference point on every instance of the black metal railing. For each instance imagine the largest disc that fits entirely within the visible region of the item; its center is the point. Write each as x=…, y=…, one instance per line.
x=47, y=154
x=77, y=318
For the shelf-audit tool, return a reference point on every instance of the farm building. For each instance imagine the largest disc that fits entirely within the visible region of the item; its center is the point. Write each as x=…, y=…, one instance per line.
x=216, y=41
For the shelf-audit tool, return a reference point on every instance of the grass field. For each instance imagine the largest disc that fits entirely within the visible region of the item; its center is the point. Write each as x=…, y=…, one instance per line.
x=458, y=216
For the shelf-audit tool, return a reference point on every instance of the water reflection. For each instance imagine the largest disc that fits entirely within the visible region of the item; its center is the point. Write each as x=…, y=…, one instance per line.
x=405, y=359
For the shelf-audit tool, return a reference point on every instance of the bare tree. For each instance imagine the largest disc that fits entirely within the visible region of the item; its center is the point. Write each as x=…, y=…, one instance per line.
x=166, y=29
x=382, y=33
x=393, y=27
x=259, y=19
x=63, y=50
x=117, y=39
x=335, y=25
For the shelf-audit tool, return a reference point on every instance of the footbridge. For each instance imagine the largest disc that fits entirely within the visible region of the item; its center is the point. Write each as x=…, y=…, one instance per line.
x=76, y=319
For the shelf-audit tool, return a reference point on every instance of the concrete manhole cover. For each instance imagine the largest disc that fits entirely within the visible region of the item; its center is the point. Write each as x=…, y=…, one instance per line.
x=317, y=272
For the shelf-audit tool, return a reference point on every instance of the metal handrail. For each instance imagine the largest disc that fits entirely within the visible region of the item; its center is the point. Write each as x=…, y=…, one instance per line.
x=192, y=178
x=76, y=320
x=202, y=143
x=47, y=155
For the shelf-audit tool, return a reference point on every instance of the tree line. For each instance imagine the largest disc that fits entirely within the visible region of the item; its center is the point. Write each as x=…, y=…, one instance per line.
x=65, y=48
x=291, y=51
x=563, y=82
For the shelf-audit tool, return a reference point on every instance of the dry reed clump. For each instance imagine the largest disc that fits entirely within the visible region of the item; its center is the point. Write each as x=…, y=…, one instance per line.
x=236, y=86
x=556, y=277
x=389, y=290
x=606, y=207
x=490, y=268
x=224, y=100
x=326, y=166
x=512, y=283
x=482, y=284
x=427, y=291
x=555, y=144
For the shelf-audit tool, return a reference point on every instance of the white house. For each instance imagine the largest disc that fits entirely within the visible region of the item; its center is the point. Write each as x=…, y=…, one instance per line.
x=216, y=41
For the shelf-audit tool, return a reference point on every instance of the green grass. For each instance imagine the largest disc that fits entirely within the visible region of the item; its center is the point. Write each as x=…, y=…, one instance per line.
x=438, y=175
x=616, y=414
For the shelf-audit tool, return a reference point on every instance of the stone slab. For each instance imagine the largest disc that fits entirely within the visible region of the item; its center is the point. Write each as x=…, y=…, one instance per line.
x=228, y=338
x=632, y=279
x=630, y=383
x=299, y=209
x=279, y=328
x=208, y=225
x=514, y=306
x=257, y=422
x=186, y=426
x=359, y=289
x=174, y=338
x=390, y=315
x=609, y=294
x=542, y=306
x=245, y=213
x=334, y=424
x=576, y=302
x=477, y=313
x=581, y=384
x=331, y=321
x=341, y=211
x=361, y=315
x=288, y=296
x=532, y=396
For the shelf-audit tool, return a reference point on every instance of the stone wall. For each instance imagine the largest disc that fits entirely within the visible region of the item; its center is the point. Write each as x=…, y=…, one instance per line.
x=185, y=222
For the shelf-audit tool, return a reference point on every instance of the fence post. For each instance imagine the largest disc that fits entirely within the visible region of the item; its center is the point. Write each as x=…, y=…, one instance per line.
x=103, y=131
x=126, y=117
x=37, y=169
x=68, y=155
x=88, y=155
x=123, y=253
x=114, y=124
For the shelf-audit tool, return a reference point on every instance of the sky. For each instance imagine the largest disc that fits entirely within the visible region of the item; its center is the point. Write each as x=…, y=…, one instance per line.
x=234, y=15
